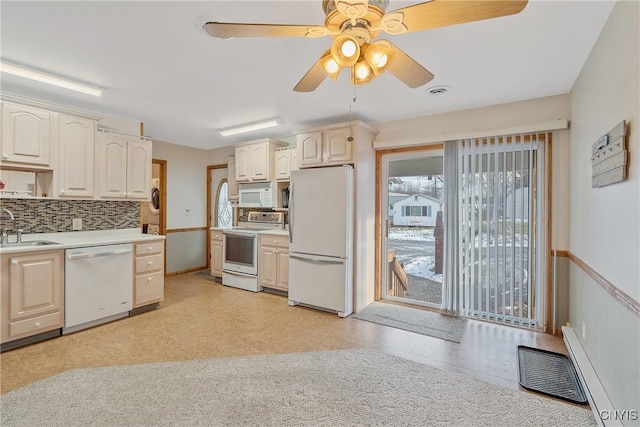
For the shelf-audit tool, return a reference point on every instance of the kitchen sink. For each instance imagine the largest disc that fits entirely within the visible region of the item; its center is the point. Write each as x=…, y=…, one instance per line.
x=28, y=243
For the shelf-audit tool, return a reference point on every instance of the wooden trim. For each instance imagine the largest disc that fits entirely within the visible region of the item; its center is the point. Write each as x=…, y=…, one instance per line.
x=190, y=270
x=560, y=253
x=163, y=199
x=209, y=213
x=378, y=210
x=623, y=298
x=186, y=230
x=550, y=306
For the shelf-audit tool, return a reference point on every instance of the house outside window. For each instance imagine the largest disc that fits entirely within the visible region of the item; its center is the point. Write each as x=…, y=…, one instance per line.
x=416, y=211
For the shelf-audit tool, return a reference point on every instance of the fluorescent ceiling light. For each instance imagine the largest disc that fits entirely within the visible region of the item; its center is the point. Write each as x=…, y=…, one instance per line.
x=250, y=127
x=39, y=76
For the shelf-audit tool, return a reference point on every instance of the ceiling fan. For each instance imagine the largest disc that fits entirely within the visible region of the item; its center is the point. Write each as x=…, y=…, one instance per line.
x=354, y=24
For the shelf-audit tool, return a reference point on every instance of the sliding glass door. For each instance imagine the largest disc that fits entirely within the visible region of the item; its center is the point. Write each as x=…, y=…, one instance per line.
x=412, y=190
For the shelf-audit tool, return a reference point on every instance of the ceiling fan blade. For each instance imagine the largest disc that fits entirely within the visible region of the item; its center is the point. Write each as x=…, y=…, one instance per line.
x=407, y=70
x=312, y=79
x=225, y=30
x=442, y=13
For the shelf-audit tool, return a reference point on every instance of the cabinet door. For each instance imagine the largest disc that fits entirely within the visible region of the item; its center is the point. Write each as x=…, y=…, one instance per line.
x=243, y=167
x=75, y=162
x=283, y=164
x=282, y=260
x=139, y=161
x=310, y=149
x=35, y=285
x=338, y=148
x=26, y=134
x=233, y=184
x=268, y=266
x=295, y=163
x=113, y=167
x=259, y=161
x=216, y=258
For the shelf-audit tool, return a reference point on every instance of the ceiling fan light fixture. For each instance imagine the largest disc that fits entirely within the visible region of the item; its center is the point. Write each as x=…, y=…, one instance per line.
x=330, y=65
x=362, y=73
x=345, y=50
x=379, y=55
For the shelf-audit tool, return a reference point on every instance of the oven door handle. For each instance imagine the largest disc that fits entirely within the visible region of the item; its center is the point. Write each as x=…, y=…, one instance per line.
x=241, y=235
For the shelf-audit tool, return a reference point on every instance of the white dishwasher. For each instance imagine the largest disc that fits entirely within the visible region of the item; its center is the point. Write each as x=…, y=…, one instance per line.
x=98, y=284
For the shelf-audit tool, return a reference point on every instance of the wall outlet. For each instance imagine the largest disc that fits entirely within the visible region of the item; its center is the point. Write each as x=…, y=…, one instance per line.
x=584, y=331
x=77, y=224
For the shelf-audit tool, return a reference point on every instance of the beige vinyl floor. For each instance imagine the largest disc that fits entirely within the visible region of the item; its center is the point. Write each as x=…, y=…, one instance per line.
x=202, y=319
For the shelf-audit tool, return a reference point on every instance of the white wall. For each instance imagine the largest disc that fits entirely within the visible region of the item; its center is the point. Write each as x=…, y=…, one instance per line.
x=605, y=222
x=186, y=184
x=186, y=204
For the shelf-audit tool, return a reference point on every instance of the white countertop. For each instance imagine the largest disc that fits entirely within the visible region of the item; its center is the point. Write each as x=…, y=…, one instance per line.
x=79, y=239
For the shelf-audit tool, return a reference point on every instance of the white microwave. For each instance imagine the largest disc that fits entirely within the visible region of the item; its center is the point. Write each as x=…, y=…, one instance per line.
x=258, y=195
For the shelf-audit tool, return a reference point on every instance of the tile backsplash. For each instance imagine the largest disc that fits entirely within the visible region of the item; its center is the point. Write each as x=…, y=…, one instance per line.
x=50, y=216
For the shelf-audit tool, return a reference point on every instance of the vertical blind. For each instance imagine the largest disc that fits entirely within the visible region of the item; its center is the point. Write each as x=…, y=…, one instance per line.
x=500, y=201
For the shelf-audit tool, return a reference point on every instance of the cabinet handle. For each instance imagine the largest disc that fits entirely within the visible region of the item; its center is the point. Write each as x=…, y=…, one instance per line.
x=150, y=248
x=150, y=263
x=14, y=262
x=61, y=191
x=149, y=279
x=4, y=156
x=36, y=325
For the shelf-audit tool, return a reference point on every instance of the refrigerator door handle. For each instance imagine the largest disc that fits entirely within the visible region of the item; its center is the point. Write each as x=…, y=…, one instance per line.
x=291, y=213
x=317, y=261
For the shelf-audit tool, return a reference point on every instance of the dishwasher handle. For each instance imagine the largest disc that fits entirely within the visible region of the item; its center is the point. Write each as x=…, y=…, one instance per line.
x=98, y=254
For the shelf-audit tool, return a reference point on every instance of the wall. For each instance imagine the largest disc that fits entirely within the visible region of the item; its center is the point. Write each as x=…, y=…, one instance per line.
x=186, y=205
x=604, y=222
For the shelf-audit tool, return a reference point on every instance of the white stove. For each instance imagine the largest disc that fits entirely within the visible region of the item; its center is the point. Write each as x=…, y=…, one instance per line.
x=240, y=249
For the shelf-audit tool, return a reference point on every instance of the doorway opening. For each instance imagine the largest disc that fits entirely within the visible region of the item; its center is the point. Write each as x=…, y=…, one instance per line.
x=220, y=212
x=412, y=217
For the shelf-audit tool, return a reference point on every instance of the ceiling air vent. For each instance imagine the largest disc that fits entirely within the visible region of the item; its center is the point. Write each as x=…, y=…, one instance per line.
x=438, y=90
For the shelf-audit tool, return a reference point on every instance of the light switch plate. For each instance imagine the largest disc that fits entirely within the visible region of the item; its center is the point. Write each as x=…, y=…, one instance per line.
x=77, y=224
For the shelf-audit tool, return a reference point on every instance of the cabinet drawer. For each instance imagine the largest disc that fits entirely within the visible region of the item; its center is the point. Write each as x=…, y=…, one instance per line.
x=148, y=288
x=274, y=240
x=149, y=263
x=216, y=235
x=36, y=325
x=149, y=248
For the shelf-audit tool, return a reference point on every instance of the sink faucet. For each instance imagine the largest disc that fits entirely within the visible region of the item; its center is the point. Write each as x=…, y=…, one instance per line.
x=5, y=237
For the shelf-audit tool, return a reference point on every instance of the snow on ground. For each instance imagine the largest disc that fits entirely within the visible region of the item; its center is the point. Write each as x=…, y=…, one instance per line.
x=423, y=267
x=411, y=233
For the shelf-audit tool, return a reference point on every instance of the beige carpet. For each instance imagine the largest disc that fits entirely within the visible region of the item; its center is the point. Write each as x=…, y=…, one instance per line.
x=330, y=388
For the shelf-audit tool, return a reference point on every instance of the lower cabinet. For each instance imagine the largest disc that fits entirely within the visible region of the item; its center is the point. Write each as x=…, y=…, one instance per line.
x=216, y=253
x=273, y=264
x=148, y=284
x=32, y=294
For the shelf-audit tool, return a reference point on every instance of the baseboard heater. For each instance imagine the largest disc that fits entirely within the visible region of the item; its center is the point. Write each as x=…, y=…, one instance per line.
x=596, y=394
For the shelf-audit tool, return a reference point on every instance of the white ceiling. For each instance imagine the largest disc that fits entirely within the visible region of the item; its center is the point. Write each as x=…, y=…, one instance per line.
x=157, y=67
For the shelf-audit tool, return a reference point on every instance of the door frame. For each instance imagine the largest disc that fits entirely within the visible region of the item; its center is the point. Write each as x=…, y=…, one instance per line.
x=377, y=296
x=209, y=212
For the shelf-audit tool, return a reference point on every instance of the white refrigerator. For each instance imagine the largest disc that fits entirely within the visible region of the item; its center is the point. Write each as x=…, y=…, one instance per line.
x=321, y=239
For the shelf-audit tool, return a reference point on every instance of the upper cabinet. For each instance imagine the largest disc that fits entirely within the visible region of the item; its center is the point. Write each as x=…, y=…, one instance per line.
x=26, y=135
x=326, y=147
x=286, y=160
x=76, y=141
x=254, y=160
x=124, y=164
